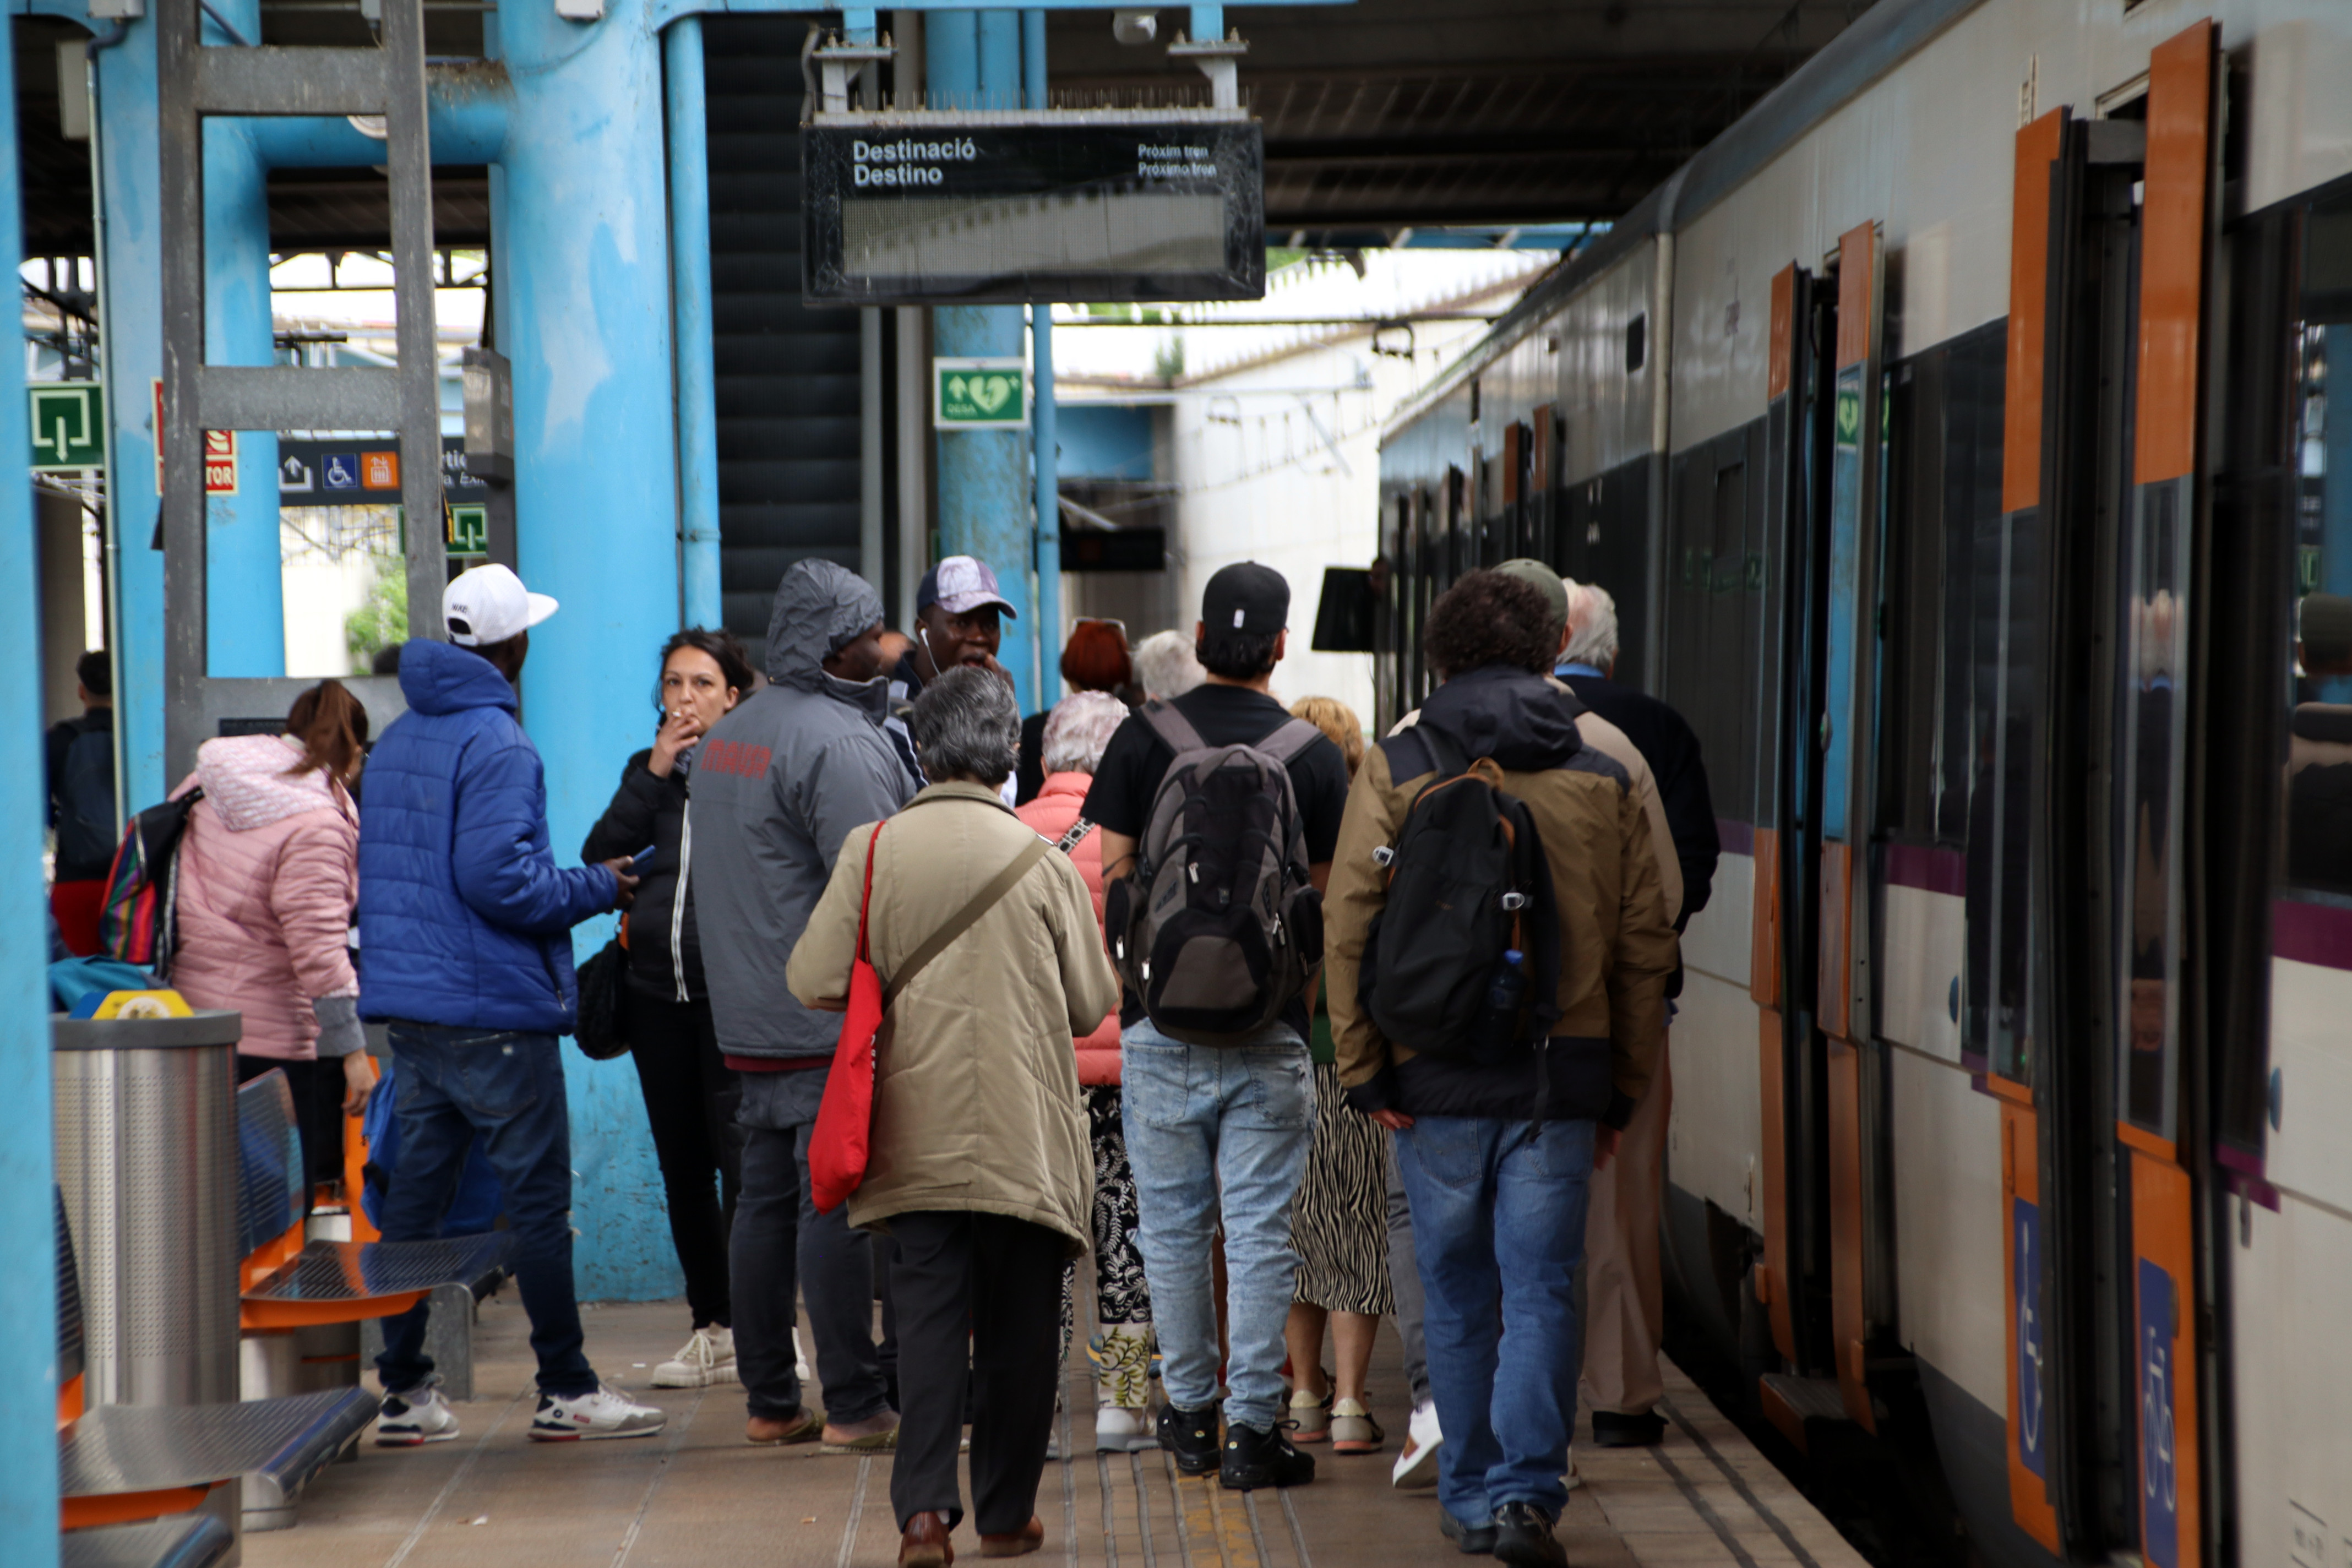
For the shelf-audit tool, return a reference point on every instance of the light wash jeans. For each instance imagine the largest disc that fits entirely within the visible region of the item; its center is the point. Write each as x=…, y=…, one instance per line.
x=1499, y=1229
x=1211, y=1131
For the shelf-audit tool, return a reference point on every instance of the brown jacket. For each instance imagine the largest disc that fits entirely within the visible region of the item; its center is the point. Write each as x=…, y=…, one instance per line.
x=1617, y=941
x=976, y=1100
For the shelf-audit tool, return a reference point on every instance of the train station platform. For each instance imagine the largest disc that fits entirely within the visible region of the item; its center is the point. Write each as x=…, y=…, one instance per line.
x=697, y=1494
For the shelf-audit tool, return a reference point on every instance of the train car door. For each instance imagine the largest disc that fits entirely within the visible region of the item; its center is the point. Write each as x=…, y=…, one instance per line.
x=2075, y=894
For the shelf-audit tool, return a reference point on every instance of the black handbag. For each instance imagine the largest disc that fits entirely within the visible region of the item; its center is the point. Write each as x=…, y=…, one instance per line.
x=599, y=1033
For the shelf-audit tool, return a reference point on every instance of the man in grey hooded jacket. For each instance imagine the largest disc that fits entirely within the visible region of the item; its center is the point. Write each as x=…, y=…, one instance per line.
x=780, y=783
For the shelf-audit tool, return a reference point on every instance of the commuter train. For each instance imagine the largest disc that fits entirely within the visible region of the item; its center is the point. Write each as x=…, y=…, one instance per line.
x=1954, y=436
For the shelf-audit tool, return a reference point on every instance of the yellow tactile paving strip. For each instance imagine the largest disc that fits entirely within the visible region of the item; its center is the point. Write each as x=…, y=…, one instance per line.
x=697, y=1496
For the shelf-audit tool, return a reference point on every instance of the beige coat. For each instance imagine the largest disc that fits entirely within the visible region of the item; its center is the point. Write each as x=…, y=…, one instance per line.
x=976, y=1100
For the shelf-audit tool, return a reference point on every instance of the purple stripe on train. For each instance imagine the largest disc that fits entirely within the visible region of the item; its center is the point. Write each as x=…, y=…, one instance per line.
x=1929, y=870
x=2312, y=933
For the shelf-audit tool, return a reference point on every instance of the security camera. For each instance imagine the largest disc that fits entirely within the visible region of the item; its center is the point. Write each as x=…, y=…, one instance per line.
x=1134, y=27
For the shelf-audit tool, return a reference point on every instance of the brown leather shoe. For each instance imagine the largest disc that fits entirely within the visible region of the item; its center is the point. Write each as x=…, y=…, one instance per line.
x=1015, y=1542
x=768, y=1432
x=924, y=1543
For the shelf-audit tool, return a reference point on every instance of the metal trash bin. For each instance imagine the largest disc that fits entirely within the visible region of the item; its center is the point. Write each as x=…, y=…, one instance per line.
x=145, y=1113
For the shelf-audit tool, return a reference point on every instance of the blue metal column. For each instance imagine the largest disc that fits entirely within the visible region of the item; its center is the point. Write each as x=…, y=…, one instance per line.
x=246, y=624
x=584, y=317
x=973, y=60
x=689, y=281
x=131, y=264
x=28, y=1286
x=1046, y=633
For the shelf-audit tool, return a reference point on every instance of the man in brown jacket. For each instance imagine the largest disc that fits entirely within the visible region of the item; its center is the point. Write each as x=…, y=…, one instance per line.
x=1495, y=1158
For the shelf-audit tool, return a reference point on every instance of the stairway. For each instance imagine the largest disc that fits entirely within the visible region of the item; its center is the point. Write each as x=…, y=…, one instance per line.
x=787, y=376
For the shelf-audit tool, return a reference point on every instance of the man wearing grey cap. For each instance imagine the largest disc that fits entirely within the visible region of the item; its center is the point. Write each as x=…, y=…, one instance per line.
x=781, y=781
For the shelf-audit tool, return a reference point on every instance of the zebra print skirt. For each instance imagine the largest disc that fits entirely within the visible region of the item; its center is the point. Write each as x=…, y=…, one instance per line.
x=1340, y=1223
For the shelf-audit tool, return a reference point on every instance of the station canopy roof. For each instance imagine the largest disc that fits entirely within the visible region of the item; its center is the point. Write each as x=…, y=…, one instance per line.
x=1379, y=116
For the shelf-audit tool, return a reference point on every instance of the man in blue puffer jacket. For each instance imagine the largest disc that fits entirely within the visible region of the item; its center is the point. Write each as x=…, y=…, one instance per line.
x=465, y=952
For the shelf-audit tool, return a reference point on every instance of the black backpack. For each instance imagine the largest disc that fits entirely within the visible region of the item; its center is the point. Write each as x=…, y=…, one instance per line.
x=1467, y=884
x=1219, y=928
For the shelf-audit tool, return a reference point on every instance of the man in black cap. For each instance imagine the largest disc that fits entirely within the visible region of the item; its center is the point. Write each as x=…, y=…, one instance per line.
x=1217, y=1131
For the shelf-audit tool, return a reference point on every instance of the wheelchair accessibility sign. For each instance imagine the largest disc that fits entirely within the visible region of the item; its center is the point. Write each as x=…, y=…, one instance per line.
x=2159, y=1477
x=2025, y=1237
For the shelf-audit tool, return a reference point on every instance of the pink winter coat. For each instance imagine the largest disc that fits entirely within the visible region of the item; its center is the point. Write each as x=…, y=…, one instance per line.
x=268, y=872
x=1051, y=814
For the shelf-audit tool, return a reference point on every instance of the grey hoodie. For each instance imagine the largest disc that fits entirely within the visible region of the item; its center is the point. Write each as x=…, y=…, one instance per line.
x=777, y=787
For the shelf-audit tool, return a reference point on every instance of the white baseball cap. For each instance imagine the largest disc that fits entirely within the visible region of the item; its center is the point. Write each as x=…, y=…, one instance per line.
x=489, y=604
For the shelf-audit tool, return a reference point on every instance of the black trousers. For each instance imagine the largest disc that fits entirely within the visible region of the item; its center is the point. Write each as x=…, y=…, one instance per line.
x=999, y=1281
x=690, y=1098
x=318, y=1088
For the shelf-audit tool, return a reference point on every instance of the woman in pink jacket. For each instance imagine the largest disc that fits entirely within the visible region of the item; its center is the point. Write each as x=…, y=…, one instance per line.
x=268, y=873
x=1076, y=733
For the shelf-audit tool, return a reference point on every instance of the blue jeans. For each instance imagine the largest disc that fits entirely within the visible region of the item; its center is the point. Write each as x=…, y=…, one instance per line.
x=1211, y=1130
x=508, y=1086
x=1497, y=1229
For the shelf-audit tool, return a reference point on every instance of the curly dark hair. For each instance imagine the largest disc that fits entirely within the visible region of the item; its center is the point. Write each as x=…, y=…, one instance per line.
x=734, y=665
x=1488, y=617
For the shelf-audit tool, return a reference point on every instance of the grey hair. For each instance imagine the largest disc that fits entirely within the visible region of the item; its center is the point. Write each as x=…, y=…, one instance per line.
x=965, y=725
x=1078, y=729
x=1166, y=665
x=1592, y=626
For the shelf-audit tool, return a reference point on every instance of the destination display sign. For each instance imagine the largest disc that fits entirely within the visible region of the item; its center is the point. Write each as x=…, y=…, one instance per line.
x=908, y=209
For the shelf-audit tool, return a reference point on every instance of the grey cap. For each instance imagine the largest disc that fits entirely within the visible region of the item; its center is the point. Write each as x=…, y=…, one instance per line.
x=1545, y=581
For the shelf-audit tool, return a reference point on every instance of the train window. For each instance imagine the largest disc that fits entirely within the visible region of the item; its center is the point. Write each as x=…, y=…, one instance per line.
x=1637, y=346
x=2318, y=826
x=1943, y=478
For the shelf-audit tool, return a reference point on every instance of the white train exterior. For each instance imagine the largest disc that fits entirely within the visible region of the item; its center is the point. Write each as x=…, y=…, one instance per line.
x=1952, y=435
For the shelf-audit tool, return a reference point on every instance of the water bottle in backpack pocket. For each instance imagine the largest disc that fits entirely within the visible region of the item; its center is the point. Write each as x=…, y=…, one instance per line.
x=1219, y=928
x=1463, y=961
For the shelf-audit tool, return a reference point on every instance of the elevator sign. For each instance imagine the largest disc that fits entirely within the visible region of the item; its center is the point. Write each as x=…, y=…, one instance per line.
x=938, y=207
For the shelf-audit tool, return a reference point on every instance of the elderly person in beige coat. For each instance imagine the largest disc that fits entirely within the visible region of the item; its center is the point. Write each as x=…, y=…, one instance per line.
x=979, y=1167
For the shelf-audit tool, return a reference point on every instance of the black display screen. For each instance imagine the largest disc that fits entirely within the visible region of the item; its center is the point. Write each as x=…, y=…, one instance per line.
x=904, y=210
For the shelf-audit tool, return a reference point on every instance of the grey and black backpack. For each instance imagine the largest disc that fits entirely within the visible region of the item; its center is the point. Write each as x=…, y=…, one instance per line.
x=1219, y=928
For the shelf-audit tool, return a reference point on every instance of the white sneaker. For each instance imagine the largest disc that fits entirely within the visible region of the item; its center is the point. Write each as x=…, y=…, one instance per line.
x=708, y=1358
x=415, y=1416
x=1119, y=1430
x=1416, y=1468
x=600, y=1413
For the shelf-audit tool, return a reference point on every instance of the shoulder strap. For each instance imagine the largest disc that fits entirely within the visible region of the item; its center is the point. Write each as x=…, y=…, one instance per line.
x=1173, y=728
x=1079, y=831
x=865, y=901
x=966, y=918
x=1294, y=736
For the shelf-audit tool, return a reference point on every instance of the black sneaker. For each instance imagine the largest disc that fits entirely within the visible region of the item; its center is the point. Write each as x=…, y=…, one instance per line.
x=1256, y=1459
x=1470, y=1540
x=1610, y=1430
x=1523, y=1537
x=1192, y=1436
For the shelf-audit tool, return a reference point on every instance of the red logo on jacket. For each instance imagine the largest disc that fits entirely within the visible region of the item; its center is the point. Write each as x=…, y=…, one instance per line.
x=734, y=757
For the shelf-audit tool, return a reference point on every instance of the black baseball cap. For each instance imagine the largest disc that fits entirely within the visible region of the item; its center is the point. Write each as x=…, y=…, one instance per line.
x=1245, y=597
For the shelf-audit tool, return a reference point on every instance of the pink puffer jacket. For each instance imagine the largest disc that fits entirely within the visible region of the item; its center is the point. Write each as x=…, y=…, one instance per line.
x=268, y=872
x=1051, y=814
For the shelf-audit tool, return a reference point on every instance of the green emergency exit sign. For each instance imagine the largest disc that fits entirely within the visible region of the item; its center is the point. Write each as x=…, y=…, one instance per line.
x=469, y=529
x=68, y=425
x=980, y=393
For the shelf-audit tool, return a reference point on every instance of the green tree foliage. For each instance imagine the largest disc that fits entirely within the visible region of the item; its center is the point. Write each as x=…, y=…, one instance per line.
x=382, y=621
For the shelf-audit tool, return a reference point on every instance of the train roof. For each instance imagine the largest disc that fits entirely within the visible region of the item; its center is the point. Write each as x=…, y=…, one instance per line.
x=1880, y=39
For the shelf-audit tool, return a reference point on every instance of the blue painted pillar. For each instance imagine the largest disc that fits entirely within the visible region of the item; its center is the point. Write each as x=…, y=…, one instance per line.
x=130, y=266
x=1043, y=463
x=245, y=626
x=973, y=60
x=585, y=316
x=689, y=281
x=28, y=1285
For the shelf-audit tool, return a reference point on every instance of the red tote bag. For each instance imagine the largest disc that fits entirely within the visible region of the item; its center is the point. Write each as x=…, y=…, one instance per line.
x=845, y=1121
